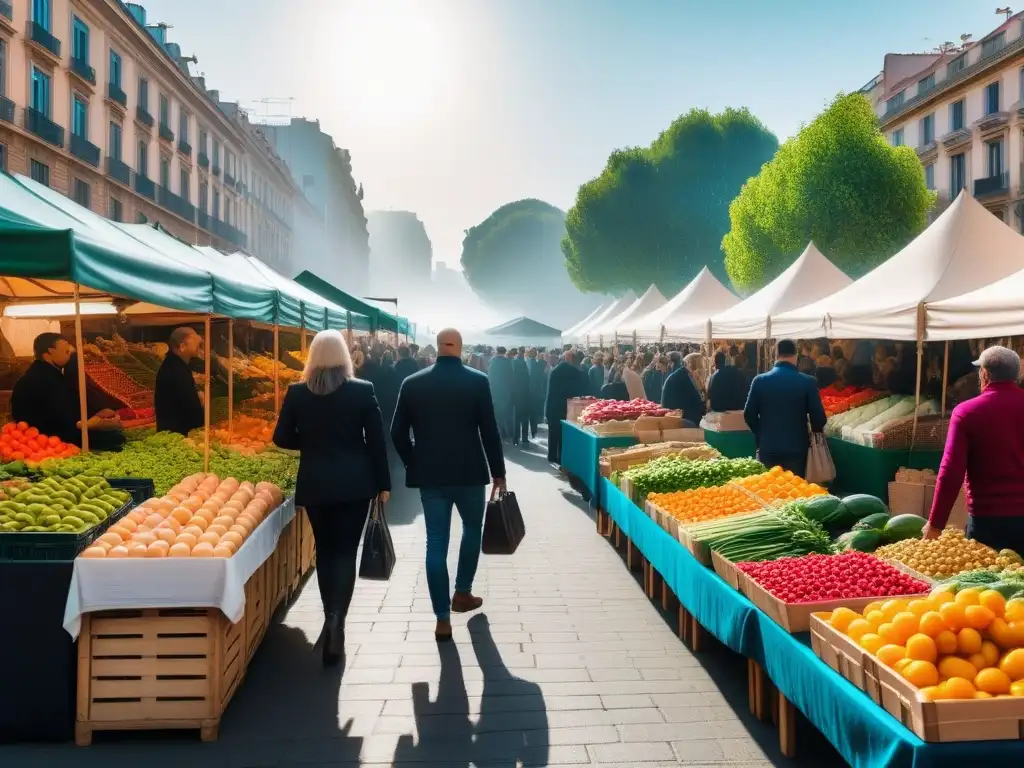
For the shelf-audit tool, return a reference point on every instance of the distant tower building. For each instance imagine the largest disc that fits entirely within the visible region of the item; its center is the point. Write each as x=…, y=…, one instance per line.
x=402, y=255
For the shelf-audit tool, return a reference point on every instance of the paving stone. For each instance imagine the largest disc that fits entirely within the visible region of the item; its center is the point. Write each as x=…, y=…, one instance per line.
x=660, y=753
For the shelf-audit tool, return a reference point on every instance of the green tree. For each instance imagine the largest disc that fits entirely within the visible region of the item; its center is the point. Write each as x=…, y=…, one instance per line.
x=658, y=214
x=839, y=183
x=513, y=260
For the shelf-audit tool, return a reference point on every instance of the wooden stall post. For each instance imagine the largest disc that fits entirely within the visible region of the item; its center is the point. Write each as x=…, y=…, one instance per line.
x=920, y=358
x=208, y=343
x=302, y=338
x=231, y=376
x=945, y=378
x=277, y=379
x=348, y=326
x=83, y=409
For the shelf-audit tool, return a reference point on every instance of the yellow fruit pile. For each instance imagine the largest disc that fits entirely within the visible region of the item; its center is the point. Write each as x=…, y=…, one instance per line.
x=778, y=484
x=967, y=646
x=701, y=504
x=941, y=558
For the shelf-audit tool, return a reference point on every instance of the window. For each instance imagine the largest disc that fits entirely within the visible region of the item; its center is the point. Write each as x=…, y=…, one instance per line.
x=82, y=193
x=228, y=218
x=956, y=65
x=183, y=184
x=79, y=40
x=994, y=157
x=202, y=141
x=183, y=126
x=41, y=13
x=165, y=111
x=957, y=174
x=956, y=115
x=3, y=67
x=114, y=150
x=80, y=117
x=144, y=93
x=216, y=153
x=925, y=84
x=39, y=172
x=165, y=172
x=992, y=98
x=895, y=102
x=40, y=92
x=897, y=137
x=929, y=176
x=115, y=68
x=993, y=45
x=216, y=204
x=204, y=192
x=927, y=130
x=143, y=160
x=3, y=157
x=116, y=211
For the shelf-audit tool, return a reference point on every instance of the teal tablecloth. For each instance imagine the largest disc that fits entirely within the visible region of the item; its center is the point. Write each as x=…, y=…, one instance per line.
x=581, y=450
x=732, y=445
x=863, y=733
x=860, y=469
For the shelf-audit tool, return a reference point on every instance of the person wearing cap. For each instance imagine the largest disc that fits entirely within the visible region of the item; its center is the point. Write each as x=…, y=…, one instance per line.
x=985, y=454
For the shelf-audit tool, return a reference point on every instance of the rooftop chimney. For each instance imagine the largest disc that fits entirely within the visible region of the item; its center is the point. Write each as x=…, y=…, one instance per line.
x=158, y=32
x=138, y=13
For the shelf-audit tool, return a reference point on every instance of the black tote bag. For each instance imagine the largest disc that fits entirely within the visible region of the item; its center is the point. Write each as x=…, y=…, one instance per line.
x=378, y=559
x=504, y=527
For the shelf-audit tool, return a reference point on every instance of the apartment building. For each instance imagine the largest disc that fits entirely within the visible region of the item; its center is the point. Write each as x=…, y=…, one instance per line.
x=99, y=104
x=962, y=111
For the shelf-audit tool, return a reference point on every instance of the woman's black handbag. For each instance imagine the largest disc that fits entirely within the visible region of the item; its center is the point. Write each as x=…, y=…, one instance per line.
x=378, y=558
x=504, y=527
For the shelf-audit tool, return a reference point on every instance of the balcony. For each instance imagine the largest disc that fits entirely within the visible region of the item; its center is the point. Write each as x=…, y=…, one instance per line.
x=80, y=68
x=185, y=148
x=927, y=150
x=992, y=121
x=992, y=186
x=166, y=133
x=216, y=168
x=43, y=127
x=229, y=179
x=175, y=204
x=6, y=110
x=119, y=171
x=145, y=186
x=41, y=36
x=116, y=95
x=85, y=150
x=956, y=138
x=229, y=233
x=144, y=117
x=204, y=160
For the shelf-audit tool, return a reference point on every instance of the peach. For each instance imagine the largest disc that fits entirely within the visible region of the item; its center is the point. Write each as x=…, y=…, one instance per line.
x=118, y=551
x=179, y=549
x=202, y=550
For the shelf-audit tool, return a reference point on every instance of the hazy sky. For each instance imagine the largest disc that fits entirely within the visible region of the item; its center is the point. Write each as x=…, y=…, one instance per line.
x=452, y=108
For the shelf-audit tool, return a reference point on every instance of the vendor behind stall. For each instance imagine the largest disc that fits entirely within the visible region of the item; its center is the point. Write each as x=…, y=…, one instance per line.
x=176, y=400
x=43, y=399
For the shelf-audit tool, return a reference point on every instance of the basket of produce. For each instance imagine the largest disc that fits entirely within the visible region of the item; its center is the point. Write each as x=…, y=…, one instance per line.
x=616, y=417
x=949, y=665
x=837, y=401
x=790, y=589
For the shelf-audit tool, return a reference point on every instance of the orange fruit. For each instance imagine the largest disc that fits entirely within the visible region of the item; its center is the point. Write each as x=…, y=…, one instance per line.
x=946, y=642
x=932, y=693
x=953, y=613
x=921, y=674
x=991, y=653
x=978, y=660
x=188, y=539
x=969, y=596
x=888, y=633
x=119, y=551
x=202, y=549
x=992, y=680
x=1012, y=663
x=890, y=654
x=920, y=647
x=891, y=607
x=869, y=642
x=902, y=664
x=179, y=549
x=873, y=606
x=982, y=695
x=1017, y=688
x=978, y=616
x=919, y=607
x=932, y=624
x=841, y=618
x=994, y=601
x=954, y=666
x=1000, y=632
x=876, y=618
x=1014, y=610
x=958, y=688
x=1015, y=635
x=905, y=624
x=968, y=641
x=941, y=596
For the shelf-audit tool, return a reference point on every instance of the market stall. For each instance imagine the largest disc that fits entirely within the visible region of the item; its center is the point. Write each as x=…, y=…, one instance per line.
x=580, y=451
x=621, y=325
x=584, y=331
x=572, y=331
x=696, y=304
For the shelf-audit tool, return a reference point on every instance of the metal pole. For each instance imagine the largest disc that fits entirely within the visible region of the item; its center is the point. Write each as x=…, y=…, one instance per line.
x=277, y=378
x=83, y=408
x=208, y=343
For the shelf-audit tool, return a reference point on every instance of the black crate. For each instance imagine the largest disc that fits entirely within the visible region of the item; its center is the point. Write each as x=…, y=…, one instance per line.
x=67, y=546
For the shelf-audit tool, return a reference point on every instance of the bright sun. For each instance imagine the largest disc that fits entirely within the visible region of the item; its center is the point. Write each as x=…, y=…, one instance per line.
x=395, y=58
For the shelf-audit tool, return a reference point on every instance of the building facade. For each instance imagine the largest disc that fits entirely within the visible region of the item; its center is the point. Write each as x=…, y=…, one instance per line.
x=99, y=105
x=323, y=171
x=962, y=111
x=401, y=255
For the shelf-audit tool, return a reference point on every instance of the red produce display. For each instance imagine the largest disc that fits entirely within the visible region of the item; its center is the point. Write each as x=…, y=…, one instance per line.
x=819, y=578
x=620, y=410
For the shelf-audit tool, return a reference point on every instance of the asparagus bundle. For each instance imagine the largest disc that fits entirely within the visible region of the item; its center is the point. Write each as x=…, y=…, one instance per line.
x=777, y=532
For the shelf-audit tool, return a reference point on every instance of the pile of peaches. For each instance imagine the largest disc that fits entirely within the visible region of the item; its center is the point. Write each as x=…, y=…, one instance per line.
x=202, y=516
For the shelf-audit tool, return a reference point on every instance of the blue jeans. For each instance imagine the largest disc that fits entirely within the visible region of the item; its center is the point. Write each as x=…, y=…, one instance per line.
x=470, y=500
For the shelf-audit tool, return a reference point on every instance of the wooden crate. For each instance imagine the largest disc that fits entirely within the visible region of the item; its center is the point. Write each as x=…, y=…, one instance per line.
x=256, y=614
x=727, y=570
x=307, y=545
x=936, y=721
x=294, y=550
x=697, y=549
x=285, y=563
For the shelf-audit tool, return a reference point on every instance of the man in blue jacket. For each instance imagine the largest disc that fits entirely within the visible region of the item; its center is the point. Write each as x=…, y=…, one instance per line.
x=499, y=373
x=566, y=380
x=779, y=406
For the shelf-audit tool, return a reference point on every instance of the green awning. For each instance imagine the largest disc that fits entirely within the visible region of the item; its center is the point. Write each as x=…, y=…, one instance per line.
x=379, y=319
x=47, y=244
x=318, y=312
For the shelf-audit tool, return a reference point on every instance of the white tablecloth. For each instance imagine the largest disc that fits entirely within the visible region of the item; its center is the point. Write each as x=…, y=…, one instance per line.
x=174, y=582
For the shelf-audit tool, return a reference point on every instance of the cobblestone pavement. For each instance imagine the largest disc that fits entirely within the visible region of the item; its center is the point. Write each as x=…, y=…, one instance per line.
x=566, y=664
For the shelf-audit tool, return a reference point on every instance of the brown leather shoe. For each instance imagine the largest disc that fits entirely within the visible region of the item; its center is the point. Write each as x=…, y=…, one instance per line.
x=464, y=602
x=443, y=631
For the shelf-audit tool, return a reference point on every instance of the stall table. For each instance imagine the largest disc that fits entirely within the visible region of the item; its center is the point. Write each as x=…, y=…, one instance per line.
x=581, y=452
x=735, y=444
x=860, y=469
x=863, y=733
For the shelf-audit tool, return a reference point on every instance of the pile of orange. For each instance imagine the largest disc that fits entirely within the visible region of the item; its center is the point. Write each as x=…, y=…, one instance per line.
x=21, y=442
x=700, y=504
x=778, y=484
x=964, y=646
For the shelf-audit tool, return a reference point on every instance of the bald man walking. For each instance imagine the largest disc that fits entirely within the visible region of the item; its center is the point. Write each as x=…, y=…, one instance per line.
x=453, y=452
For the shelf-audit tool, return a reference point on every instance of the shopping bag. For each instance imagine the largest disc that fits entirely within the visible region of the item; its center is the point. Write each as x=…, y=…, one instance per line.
x=820, y=467
x=504, y=527
x=378, y=559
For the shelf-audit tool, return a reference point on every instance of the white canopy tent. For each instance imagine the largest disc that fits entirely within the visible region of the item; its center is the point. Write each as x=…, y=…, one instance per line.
x=616, y=307
x=571, y=332
x=693, y=306
x=810, y=278
x=989, y=312
x=624, y=322
x=965, y=249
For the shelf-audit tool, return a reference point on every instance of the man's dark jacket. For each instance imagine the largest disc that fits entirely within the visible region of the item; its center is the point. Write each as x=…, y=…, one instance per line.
x=454, y=437
x=564, y=382
x=405, y=367
x=727, y=389
x=778, y=408
x=681, y=394
x=176, y=399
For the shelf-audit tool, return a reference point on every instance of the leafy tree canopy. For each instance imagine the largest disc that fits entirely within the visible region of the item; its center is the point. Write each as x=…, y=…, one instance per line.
x=839, y=183
x=513, y=260
x=658, y=214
